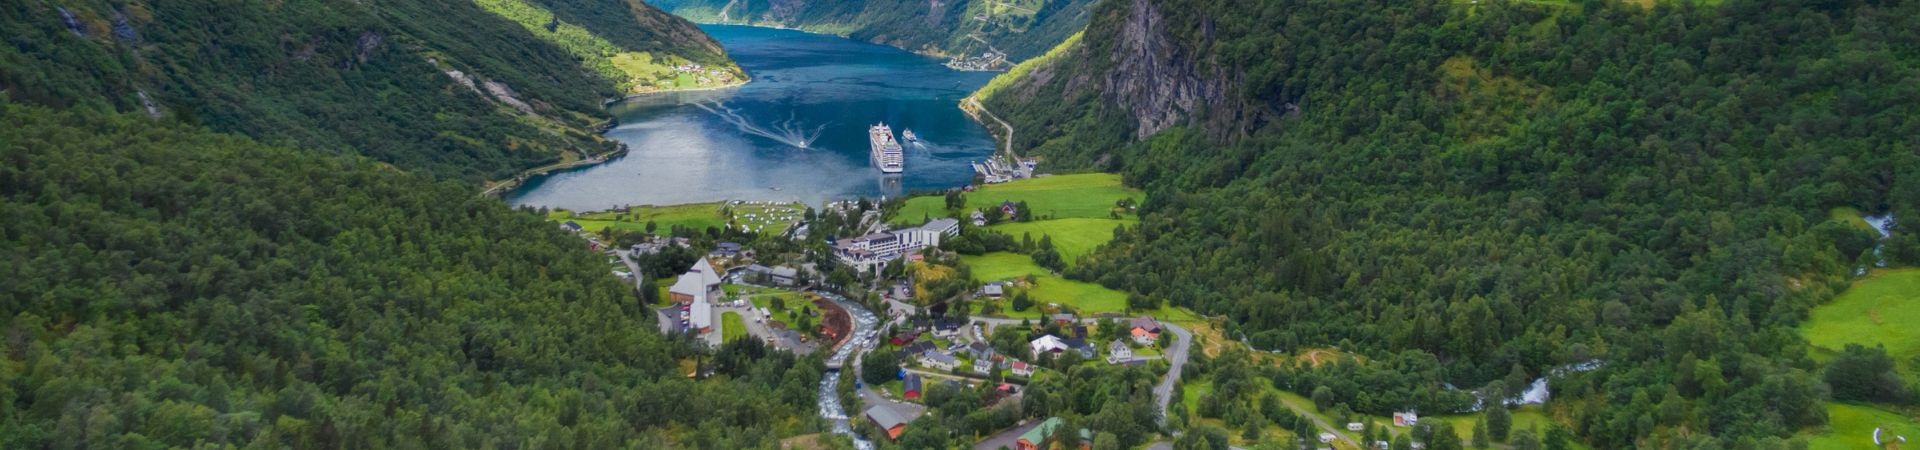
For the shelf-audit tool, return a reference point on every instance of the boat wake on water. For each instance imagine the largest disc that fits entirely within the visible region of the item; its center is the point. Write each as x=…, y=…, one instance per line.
x=790, y=132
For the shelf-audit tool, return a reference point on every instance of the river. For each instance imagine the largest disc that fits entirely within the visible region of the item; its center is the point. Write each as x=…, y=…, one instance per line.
x=797, y=132
x=830, y=407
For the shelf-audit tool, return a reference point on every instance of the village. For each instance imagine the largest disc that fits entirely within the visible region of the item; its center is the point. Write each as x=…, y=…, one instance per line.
x=799, y=280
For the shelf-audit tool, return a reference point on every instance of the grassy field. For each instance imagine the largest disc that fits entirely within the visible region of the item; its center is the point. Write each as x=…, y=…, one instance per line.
x=1072, y=237
x=1048, y=288
x=732, y=326
x=1879, y=309
x=1851, y=426
x=1850, y=216
x=1090, y=195
x=697, y=216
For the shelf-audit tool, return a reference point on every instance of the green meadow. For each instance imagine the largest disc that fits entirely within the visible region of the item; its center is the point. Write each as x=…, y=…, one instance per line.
x=1089, y=195
x=1851, y=426
x=1072, y=237
x=1047, y=287
x=732, y=326
x=1880, y=309
x=698, y=216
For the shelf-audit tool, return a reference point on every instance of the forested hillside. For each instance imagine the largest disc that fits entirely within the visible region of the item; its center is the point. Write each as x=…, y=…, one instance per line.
x=446, y=88
x=169, y=287
x=1464, y=193
x=1021, y=28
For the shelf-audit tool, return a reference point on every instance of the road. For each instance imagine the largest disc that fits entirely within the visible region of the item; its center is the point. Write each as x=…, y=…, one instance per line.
x=975, y=102
x=1177, y=357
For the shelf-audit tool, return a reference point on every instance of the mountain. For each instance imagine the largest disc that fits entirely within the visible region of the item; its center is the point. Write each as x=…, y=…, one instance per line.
x=1503, y=190
x=473, y=91
x=171, y=287
x=255, y=225
x=1020, y=29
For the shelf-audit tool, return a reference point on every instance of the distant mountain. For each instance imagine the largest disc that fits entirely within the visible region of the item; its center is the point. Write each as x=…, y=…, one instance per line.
x=468, y=90
x=1467, y=192
x=1019, y=28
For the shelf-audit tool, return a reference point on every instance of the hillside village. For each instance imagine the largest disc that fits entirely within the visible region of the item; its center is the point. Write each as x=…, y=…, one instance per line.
x=1010, y=322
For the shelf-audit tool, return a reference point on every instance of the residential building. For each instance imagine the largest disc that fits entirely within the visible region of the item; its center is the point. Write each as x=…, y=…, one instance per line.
x=983, y=366
x=1048, y=344
x=1032, y=439
x=1118, y=352
x=1036, y=438
x=725, y=250
x=785, y=276
x=1080, y=346
x=1063, y=318
x=979, y=218
x=571, y=226
x=904, y=338
x=938, y=360
x=889, y=420
x=1021, y=369
x=947, y=328
x=980, y=350
x=993, y=290
x=1145, y=330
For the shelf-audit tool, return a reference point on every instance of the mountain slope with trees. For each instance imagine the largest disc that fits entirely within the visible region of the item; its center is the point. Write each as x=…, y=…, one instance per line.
x=170, y=287
x=1468, y=193
x=1020, y=28
x=446, y=88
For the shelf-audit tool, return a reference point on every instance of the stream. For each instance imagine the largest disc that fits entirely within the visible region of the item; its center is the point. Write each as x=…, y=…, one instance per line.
x=830, y=407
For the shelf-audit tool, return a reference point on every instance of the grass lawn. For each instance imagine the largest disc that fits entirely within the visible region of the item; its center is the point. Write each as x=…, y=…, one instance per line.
x=697, y=216
x=1880, y=309
x=665, y=285
x=1851, y=426
x=1081, y=296
x=1852, y=217
x=732, y=326
x=1089, y=195
x=1072, y=237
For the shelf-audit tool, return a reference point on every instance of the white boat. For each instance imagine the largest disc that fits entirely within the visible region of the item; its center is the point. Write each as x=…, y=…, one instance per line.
x=886, y=153
x=907, y=135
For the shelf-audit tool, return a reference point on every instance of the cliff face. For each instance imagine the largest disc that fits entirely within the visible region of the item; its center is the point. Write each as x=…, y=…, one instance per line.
x=1018, y=29
x=1142, y=66
x=1154, y=78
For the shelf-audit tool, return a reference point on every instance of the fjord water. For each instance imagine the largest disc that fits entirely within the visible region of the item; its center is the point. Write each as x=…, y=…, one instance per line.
x=798, y=132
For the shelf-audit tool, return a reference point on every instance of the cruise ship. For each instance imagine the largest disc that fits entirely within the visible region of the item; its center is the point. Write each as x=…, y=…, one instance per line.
x=887, y=155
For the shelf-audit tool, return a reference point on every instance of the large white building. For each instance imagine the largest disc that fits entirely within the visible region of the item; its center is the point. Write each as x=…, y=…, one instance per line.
x=875, y=251
x=697, y=289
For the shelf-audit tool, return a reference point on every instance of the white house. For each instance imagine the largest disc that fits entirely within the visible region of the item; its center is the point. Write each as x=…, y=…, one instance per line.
x=938, y=360
x=1021, y=369
x=1048, y=344
x=1118, y=352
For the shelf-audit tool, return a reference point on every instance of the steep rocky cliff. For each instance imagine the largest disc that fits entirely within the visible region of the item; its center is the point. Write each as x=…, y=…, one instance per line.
x=1019, y=29
x=1138, y=69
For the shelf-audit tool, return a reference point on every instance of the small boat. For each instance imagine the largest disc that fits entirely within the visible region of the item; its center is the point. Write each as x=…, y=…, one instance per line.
x=909, y=136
